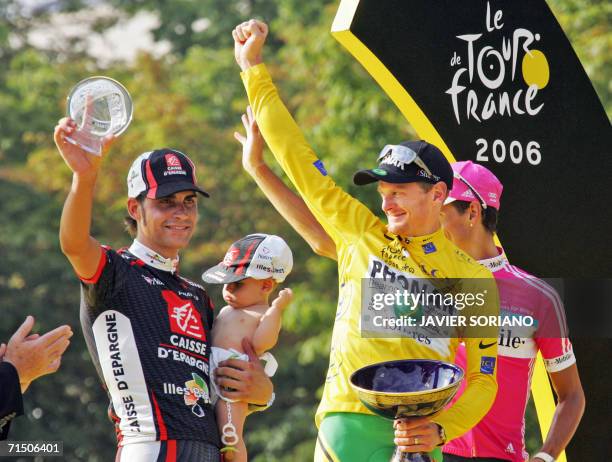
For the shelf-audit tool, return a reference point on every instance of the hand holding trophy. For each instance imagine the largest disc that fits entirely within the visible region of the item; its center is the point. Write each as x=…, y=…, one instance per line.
x=100, y=107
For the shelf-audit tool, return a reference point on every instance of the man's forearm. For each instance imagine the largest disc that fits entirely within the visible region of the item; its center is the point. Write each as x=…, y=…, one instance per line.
x=75, y=223
x=565, y=421
x=470, y=408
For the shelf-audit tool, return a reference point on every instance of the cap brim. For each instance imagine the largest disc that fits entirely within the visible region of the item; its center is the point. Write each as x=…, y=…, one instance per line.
x=219, y=275
x=172, y=188
x=363, y=177
x=448, y=200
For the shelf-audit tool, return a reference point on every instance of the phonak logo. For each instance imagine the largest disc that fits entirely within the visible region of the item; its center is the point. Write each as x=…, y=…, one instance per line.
x=492, y=61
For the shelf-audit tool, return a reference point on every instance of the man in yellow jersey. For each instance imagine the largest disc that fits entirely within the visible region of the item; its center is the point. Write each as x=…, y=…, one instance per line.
x=413, y=179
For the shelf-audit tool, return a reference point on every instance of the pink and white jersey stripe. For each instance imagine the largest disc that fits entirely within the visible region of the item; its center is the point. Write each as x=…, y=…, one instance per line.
x=500, y=434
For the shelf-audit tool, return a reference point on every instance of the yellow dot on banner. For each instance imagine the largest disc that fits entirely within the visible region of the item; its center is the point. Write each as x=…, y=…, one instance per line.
x=535, y=69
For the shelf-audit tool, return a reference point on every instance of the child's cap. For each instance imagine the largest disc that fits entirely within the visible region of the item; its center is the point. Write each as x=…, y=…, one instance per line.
x=258, y=256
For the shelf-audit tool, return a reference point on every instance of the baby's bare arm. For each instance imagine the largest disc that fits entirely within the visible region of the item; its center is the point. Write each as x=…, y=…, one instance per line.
x=266, y=334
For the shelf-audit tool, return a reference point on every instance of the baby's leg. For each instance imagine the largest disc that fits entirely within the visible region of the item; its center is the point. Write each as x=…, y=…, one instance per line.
x=234, y=448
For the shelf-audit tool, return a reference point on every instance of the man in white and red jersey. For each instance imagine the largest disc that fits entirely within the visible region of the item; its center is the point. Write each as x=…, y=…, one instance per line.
x=148, y=328
x=470, y=219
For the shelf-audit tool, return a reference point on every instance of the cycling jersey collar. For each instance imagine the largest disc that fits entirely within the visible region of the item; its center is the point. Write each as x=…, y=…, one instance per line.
x=426, y=244
x=496, y=263
x=152, y=258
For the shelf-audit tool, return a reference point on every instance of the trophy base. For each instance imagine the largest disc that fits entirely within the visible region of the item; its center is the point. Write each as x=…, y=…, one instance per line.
x=399, y=456
x=89, y=143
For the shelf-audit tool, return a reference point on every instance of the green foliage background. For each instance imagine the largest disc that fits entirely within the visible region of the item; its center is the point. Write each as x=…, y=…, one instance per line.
x=191, y=98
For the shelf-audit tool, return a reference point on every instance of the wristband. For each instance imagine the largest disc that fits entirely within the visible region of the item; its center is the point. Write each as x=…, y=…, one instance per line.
x=544, y=456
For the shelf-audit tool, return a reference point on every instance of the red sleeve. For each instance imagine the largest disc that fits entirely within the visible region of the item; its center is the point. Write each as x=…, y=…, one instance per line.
x=101, y=264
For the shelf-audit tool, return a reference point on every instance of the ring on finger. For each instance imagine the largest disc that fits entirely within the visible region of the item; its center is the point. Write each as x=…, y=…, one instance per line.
x=416, y=441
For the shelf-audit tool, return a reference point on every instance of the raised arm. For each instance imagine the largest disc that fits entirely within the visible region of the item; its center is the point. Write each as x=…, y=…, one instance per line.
x=291, y=207
x=266, y=334
x=343, y=217
x=82, y=250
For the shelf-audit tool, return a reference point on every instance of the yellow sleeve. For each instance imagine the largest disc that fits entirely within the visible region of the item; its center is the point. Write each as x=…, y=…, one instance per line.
x=481, y=368
x=342, y=216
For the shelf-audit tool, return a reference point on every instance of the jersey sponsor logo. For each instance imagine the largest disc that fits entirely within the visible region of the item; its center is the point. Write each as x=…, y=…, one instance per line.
x=123, y=374
x=188, y=295
x=428, y=248
x=380, y=270
x=195, y=393
x=484, y=346
x=191, y=345
x=116, y=362
x=508, y=340
x=383, y=279
x=555, y=362
x=152, y=281
x=320, y=167
x=510, y=449
x=192, y=284
x=487, y=365
x=156, y=257
x=131, y=411
x=164, y=352
x=183, y=315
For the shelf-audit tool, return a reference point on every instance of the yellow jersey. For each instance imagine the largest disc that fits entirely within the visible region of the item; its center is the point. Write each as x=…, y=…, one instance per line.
x=366, y=250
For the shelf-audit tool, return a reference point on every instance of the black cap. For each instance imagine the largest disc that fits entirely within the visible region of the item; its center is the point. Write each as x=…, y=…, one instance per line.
x=392, y=171
x=161, y=173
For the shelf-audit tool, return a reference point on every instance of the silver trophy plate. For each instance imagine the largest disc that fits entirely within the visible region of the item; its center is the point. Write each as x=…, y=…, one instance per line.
x=100, y=106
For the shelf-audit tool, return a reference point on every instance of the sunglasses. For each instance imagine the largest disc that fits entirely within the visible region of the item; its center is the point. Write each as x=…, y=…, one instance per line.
x=471, y=188
x=397, y=154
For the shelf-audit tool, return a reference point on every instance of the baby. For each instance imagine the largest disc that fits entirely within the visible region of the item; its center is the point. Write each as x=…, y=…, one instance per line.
x=250, y=271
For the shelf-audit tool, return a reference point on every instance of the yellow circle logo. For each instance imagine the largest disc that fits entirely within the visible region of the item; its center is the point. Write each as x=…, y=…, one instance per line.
x=535, y=69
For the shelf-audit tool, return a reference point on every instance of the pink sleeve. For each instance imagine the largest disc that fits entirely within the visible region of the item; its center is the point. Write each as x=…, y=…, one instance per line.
x=551, y=336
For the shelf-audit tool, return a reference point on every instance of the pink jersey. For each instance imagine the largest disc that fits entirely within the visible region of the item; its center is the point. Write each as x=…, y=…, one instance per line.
x=500, y=434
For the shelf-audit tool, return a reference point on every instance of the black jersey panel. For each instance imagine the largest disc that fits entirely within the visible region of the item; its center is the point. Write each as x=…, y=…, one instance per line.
x=148, y=332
